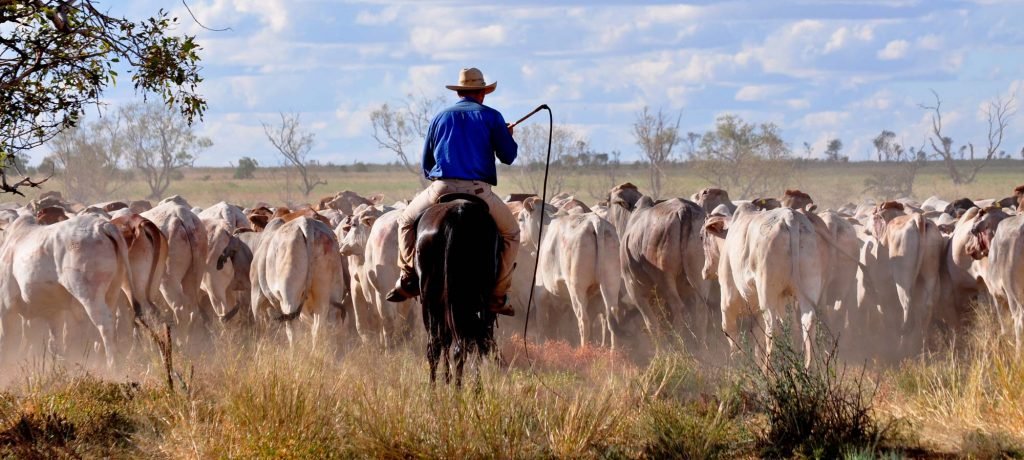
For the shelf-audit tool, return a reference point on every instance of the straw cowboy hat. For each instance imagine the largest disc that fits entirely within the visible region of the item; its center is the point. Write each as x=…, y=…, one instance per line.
x=472, y=79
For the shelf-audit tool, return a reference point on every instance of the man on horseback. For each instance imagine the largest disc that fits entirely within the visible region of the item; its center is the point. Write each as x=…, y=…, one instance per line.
x=458, y=157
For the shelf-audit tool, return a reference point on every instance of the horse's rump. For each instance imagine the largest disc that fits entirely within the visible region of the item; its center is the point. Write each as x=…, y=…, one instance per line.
x=457, y=256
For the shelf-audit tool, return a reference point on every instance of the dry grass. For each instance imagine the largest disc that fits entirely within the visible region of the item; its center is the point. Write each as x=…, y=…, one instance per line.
x=257, y=399
x=969, y=398
x=260, y=400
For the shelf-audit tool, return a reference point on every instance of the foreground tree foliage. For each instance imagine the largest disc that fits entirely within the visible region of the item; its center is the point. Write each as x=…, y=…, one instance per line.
x=57, y=57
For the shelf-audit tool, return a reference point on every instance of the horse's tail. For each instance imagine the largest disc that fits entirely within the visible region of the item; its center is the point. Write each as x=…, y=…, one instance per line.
x=470, y=268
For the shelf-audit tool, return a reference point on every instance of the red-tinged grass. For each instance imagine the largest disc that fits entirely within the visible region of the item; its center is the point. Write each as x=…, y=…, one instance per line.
x=559, y=355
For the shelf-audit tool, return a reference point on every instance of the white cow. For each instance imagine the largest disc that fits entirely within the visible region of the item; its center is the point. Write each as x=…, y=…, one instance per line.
x=372, y=243
x=579, y=262
x=762, y=259
x=230, y=214
x=186, y=261
x=296, y=273
x=997, y=236
x=64, y=272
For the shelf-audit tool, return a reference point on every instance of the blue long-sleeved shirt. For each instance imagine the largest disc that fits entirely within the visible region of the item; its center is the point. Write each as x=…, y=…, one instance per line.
x=463, y=140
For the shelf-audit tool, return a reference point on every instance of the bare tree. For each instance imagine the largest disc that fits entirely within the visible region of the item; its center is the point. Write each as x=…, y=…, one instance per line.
x=567, y=144
x=159, y=142
x=998, y=113
x=293, y=144
x=743, y=157
x=656, y=136
x=395, y=128
x=91, y=156
x=895, y=178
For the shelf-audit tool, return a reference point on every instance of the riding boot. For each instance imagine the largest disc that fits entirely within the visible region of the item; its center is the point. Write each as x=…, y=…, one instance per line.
x=501, y=306
x=407, y=287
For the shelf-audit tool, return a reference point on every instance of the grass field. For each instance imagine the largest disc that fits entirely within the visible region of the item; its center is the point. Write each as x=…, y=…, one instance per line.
x=255, y=398
x=251, y=397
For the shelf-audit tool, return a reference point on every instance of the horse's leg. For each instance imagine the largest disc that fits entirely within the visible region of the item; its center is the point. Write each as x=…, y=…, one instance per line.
x=446, y=349
x=433, y=356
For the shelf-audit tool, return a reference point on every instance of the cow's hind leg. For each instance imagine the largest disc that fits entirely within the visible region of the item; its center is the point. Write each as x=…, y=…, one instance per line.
x=99, y=314
x=578, y=297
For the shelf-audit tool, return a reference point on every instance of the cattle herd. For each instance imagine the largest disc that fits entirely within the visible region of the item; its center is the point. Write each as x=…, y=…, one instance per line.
x=889, y=277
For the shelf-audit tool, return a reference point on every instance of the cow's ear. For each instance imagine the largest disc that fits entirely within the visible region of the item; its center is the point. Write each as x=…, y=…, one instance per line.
x=528, y=203
x=810, y=207
x=259, y=221
x=718, y=226
x=368, y=220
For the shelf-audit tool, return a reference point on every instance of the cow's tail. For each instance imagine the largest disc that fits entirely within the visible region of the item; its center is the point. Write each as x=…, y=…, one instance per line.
x=150, y=321
x=308, y=232
x=608, y=280
x=124, y=271
x=921, y=226
x=795, y=235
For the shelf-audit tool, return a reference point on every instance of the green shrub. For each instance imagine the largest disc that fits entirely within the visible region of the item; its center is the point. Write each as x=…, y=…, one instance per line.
x=817, y=411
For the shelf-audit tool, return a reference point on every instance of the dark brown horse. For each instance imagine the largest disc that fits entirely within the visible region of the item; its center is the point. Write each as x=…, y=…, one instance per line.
x=457, y=254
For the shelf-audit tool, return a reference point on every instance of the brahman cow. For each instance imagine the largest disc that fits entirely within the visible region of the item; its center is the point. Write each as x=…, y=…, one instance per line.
x=762, y=259
x=228, y=213
x=622, y=201
x=905, y=271
x=998, y=236
x=372, y=246
x=296, y=273
x=186, y=261
x=661, y=258
x=579, y=263
x=710, y=198
x=53, y=270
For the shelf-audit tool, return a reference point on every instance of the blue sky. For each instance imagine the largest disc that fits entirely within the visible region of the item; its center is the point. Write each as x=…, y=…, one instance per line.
x=818, y=69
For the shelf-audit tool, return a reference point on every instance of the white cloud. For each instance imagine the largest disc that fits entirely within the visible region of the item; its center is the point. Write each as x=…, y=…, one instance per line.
x=837, y=40
x=352, y=121
x=427, y=79
x=383, y=17
x=843, y=35
x=757, y=92
x=930, y=42
x=798, y=104
x=882, y=100
x=826, y=119
x=896, y=49
x=437, y=41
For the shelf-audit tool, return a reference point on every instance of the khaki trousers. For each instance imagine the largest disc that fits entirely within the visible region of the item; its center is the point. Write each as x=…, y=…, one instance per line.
x=507, y=225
